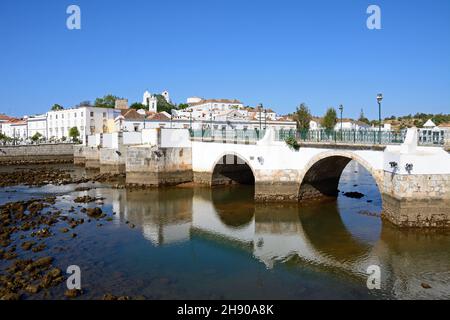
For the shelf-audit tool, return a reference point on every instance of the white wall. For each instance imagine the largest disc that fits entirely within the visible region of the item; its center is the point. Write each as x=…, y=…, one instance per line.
x=132, y=137
x=178, y=138
x=150, y=136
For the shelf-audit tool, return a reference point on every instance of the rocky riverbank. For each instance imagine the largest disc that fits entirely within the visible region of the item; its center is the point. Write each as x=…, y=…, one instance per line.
x=25, y=229
x=44, y=176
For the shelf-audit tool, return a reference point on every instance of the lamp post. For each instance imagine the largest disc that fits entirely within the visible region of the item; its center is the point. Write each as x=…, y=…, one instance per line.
x=341, y=109
x=259, y=109
x=265, y=119
x=379, y=99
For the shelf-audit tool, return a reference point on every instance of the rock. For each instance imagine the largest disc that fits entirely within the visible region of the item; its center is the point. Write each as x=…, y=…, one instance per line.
x=9, y=255
x=72, y=293
x=33, y=289
x=74, y=235
x=11, y=296
x=64, y=230
x=109, y=297
x=43, y=262
x=132, y=226
x=354, y=195
x=94, y=212
x=43, y=233
x=27, y=245
x=425, y=285
x=39, y=247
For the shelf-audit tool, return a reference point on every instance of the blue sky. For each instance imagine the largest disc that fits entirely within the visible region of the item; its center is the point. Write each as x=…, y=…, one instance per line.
x=280, y=53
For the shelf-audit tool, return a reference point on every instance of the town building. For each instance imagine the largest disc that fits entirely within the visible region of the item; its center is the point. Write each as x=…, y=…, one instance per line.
x=87, y=119
x=37, y=124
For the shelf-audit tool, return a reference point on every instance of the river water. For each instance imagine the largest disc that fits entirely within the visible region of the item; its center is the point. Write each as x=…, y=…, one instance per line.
x=202, y=243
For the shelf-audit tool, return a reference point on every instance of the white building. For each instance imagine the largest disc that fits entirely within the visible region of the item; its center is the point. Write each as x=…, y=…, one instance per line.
x=351, y=125
x=88, y=120
x=37, y=124
x=3, y=120
x=151, y=101
x=16, y=129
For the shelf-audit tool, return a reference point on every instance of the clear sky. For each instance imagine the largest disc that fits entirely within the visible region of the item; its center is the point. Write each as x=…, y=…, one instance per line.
x=277, y=52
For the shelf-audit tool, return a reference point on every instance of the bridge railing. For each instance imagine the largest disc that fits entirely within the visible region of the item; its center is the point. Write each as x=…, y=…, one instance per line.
x=227, y=136
x=365, y=137
x=434, y=138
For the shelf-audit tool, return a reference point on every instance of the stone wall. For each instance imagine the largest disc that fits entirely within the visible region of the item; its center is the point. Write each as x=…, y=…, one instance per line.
x=92, y=156
x=416, y=200
x=417, y=213
x=277, y=185
x=41, y=153
x=153, y=166
x=416, y=186
x=113, y=160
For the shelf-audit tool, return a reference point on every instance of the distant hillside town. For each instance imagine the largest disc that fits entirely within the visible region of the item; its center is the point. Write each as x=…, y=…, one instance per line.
x=114, y=114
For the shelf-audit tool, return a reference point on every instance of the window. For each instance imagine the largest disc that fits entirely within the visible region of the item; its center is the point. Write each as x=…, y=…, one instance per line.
x=62, y=116
x=82, y=114
x=56, y=116
x=104, y=114
x=75, y=115
x=92, y=113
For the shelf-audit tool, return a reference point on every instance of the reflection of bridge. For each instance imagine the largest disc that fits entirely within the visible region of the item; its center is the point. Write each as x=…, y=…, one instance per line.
x=274, y=234
x=407, y=175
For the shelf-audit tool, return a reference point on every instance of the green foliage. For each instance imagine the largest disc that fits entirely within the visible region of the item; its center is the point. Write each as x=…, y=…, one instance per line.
x=36, y=137
x=329, y=119
x=303, y=117
x=57, y=107
x=163, y=105
x=292, y=143
x=108, y=101
x=4, y=138
x=362, y=117
x=74, y=133
x=137, y=106
x=182, y=106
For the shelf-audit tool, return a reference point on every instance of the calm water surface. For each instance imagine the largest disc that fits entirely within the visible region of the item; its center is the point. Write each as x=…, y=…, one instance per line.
x=201, y=243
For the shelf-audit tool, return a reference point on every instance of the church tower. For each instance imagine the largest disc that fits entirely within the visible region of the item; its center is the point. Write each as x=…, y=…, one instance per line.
x=150, y=101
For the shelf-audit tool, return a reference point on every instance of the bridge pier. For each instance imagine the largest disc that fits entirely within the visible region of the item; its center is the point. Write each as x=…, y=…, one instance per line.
x=276, y=185
x=417, y=201
x=155, y=166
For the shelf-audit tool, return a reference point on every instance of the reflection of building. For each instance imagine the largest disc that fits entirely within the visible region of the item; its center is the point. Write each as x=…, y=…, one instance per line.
x=165, y=217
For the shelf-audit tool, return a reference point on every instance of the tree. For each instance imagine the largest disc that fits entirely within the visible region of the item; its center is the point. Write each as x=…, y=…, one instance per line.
x=36, y=137
x=137, y=106
x=362, y=117
x=303, y=117
x=329, y=119
x=85, y=103
x=57, y=107
x=74, y=133
x=108, y=101
x=163, y=105
x=182, y=106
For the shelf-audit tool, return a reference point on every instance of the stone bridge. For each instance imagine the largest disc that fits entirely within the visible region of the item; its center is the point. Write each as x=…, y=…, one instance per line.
x=414, y=181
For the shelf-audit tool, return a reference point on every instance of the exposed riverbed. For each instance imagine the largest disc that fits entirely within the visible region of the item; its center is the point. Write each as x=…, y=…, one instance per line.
x=200, y=243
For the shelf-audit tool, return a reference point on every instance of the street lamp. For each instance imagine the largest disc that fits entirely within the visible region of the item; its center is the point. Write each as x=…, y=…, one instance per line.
x=341, y=108
x=265, y=119
x=379, y=99
x=259, y=109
